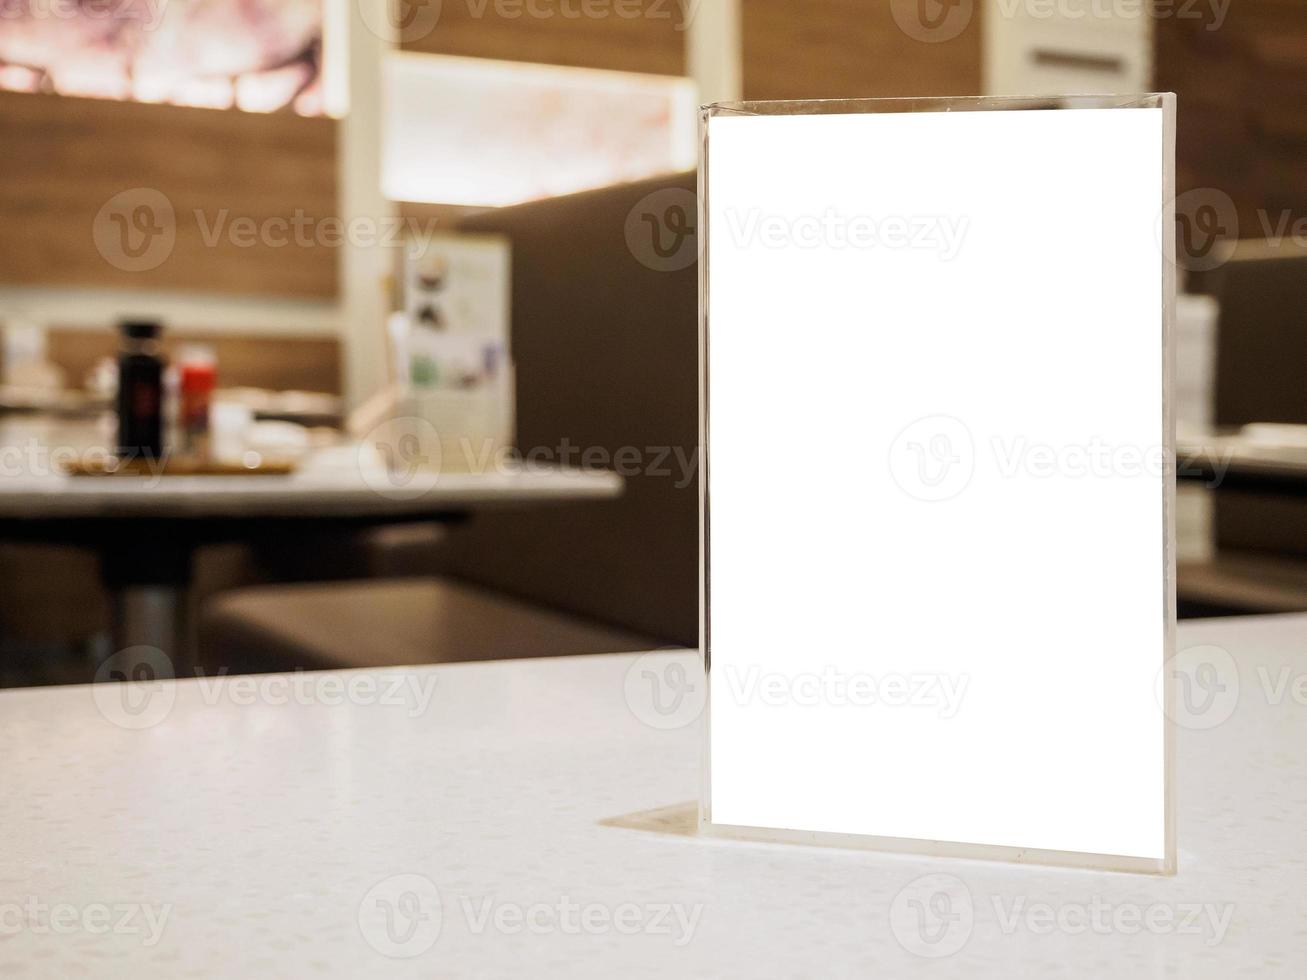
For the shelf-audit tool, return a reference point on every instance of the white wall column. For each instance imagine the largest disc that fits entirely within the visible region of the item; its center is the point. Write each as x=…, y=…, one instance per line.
x=364, y=266
x=713, y=49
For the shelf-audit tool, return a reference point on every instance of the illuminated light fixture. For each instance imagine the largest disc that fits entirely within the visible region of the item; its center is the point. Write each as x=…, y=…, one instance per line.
x=254, y=55
x=472, y=131
x=939, y=540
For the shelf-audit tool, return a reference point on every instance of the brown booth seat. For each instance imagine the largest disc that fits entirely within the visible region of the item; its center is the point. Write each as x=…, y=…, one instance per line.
x=606, y=355
x=390, y=623
x=1239, y=583
x=1260, y=561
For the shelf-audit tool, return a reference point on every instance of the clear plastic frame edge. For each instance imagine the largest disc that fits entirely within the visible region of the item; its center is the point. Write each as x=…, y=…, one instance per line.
x=736, y=786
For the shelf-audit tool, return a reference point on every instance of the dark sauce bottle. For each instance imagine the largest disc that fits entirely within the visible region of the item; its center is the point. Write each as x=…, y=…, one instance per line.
x=140, y=391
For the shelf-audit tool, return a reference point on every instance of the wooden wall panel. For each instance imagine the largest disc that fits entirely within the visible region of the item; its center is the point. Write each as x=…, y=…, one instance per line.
x=844, y=49
x=623, y=35
x=65, y=159
x=278, y=363
x=1241, y=84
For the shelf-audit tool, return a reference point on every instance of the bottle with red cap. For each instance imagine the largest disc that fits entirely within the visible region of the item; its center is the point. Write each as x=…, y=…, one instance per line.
x=140, y=391
x=197, y=377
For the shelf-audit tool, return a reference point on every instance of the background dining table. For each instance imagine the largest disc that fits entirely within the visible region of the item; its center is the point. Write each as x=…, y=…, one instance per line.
x=146, y=528
x=1229, y=460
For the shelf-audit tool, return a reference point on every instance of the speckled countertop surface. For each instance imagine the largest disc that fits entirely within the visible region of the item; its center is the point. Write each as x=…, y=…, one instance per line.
x=445, y=822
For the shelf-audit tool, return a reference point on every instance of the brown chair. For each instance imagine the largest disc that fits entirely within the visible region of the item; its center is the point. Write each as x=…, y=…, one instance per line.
x=606, y=352
x=389, y=622
x=1260, y=537
x=1261, y=341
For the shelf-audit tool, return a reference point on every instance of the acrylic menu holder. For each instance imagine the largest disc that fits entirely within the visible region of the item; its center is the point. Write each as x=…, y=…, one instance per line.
x=937, y=491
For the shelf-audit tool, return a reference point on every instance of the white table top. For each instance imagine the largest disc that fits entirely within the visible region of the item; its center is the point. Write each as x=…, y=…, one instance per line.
x=1224, y=452
x=343, y=481
x=241, y=837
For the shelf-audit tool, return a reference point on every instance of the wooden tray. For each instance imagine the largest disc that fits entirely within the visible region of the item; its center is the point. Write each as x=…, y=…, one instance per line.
x=175, y=466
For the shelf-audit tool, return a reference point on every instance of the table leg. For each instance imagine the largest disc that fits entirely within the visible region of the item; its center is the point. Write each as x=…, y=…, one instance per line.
x=148, y=579
x=150, y=615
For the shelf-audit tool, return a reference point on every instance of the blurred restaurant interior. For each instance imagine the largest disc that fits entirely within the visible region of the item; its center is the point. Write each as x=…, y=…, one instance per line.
x=332, y=243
